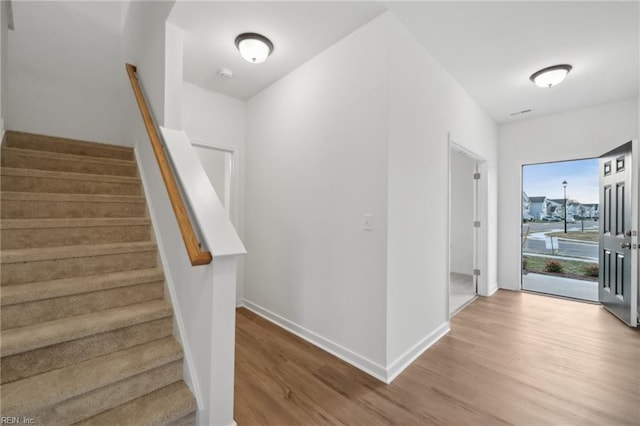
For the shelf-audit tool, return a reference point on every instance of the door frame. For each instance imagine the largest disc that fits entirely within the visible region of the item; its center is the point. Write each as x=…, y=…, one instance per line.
x=235, y=187
x=520, y=243
x=635, y=239
x=482, y=214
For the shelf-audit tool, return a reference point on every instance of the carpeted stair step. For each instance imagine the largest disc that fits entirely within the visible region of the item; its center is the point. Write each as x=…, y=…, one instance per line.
x=89, y=404
x=37, y=361
x=28, y=313
x=32, y=233
x=25, y=314
x=35, y=291
x=28, y=396
x=53, y=161
x=36, y=205
x=162, y=407
x=42, y=264
x=189, y=420
x=67, y=146
x=23, y=339
x=31, y=180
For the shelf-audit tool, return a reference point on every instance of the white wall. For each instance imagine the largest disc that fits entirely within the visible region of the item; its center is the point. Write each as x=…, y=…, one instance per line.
x=63, y=70
x=143, y=45
x=361, y=128
x=216, y=120
x=426, y=106
x=214, y=117
x=461, y=244
x=174, y=69
x=582, y=133
x=316, y=162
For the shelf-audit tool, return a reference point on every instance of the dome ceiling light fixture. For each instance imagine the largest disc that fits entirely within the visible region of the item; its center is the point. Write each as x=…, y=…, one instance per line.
x=254, y=48
x=550, y=76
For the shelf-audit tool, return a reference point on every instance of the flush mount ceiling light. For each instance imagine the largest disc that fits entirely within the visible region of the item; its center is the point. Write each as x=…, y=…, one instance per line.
x=550, y=76
x=254, y=48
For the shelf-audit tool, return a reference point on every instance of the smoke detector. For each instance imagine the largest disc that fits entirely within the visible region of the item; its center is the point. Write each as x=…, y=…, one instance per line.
x=225, y=73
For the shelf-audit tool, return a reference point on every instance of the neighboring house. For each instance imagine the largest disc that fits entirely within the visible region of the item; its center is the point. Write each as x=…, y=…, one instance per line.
x=526, y=207
x=556, y=206
x=591, y=210
x=574, y=208
x=543, y=206
x=537, y=206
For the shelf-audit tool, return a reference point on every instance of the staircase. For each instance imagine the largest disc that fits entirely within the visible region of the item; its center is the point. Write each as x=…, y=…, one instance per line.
x=86, y=332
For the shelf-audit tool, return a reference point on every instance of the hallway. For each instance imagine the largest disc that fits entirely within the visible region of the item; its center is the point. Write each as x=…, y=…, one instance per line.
x=513, y=358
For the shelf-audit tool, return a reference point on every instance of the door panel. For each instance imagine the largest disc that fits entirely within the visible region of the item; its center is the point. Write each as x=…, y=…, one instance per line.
x=617, y=280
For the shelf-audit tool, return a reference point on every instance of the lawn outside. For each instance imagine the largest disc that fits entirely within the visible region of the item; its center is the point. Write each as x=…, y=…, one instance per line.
x=587, y=236
x=570, y=268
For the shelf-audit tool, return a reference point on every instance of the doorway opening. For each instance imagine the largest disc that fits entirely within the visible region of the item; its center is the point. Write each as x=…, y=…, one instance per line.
x=464, y=227
x=560, y=228
x=219, y=164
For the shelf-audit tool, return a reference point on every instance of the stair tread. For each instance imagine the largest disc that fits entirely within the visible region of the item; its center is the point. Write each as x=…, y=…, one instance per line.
x=67, y=157
x=50, y=196
x=17, y=138
x=21, y=293
x=80, y=222
x=160, y=407
x=46, y=389
x=67, y=252
x=52, y=174
x=22, y=339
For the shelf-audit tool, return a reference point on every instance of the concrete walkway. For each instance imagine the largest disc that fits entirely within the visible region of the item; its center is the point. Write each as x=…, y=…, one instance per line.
x=560, y=286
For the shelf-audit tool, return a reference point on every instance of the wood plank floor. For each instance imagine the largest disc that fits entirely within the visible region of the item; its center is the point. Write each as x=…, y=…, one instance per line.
x=514, y=358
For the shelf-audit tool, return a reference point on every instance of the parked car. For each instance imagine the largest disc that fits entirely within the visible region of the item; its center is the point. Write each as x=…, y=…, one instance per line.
x=526, y=217
x=548, y=218
x=571, y=219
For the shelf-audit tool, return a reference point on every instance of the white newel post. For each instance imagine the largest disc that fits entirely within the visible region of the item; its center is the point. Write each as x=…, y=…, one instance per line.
x=222, y=240
x=223, y=318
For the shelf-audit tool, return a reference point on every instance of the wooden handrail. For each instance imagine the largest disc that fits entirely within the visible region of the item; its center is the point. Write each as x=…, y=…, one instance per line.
x=196, y=256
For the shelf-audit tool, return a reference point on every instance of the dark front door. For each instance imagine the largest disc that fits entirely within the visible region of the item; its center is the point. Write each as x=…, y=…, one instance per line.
x=617, y=282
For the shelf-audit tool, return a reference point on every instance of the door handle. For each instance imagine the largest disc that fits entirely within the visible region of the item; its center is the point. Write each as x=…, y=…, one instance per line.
x=625, y=245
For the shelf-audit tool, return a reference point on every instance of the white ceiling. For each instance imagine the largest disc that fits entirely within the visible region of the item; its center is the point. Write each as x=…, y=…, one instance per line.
x=298, y=30
x=490, y=48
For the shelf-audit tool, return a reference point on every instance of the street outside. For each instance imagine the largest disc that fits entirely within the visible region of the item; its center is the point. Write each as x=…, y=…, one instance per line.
x=535, y=241
x=568, y=250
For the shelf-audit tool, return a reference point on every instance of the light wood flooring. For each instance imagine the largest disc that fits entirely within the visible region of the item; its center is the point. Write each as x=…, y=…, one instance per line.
x=513, y=358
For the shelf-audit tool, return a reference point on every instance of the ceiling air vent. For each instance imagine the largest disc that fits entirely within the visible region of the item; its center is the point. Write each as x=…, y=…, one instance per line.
x=524, y=111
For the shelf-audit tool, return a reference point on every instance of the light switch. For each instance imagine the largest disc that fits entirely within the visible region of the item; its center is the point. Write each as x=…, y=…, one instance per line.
x=367, y=222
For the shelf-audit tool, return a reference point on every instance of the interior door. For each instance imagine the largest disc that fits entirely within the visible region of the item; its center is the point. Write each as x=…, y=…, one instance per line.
x=618, y=233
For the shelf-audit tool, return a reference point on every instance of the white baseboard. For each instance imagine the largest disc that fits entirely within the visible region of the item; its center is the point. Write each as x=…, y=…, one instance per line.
x=2, y=130
x=508, y=288
x=493, y=288
x=358, y=361
x=240, y=303
x=404, y=360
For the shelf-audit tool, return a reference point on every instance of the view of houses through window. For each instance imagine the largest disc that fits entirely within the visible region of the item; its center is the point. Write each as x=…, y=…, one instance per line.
x=560, y=228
